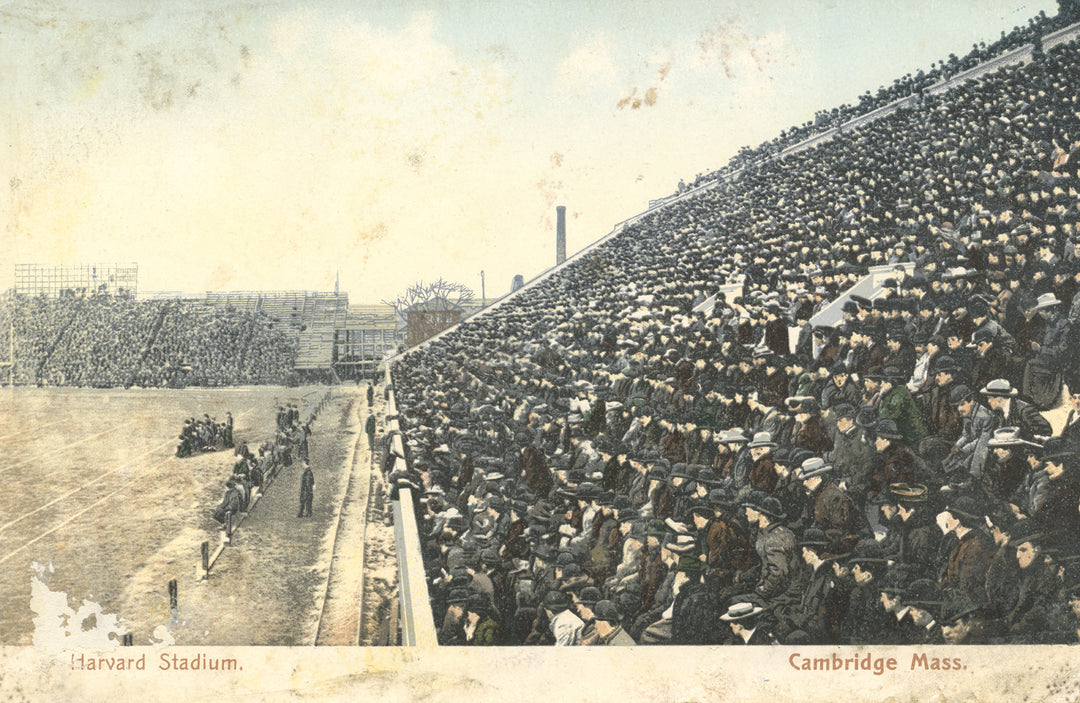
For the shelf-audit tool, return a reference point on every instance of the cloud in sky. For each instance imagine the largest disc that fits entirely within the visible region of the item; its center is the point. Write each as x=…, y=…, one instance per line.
x=589, y=65
x=269, y=145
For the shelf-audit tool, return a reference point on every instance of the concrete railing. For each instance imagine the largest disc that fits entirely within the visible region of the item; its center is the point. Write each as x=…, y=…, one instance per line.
x=417, y=621
x=869, y=286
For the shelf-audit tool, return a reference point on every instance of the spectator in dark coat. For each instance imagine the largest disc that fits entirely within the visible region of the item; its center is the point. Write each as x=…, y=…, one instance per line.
x=307, y=492
x=896, y=404
x=969, y=560
x=831, y=509
x=852, y=454
x=809, y=431
x=1013, y=412
x=895, y=463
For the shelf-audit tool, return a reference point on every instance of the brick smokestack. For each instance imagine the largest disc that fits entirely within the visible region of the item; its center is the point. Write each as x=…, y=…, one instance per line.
x=560, y=234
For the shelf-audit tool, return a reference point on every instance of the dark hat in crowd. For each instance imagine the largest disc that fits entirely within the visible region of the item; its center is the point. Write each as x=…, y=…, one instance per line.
x=867, y=551
x=960, y=394
x=721, y=498
x=606, y=611
x=1025, y=530
x=556, y=601
x=587, y=490
x=656, y=473
x=458, y=595
x=682, y=470
x=923, y=593
x=590, y=595
x=656, y=528
x=946, y=364
x=477, y=604
x=887, y=429
x=891, y=374
x=844, y=410
x=701, y=508
x=966, y=506
x=765, y=503
x=896, y=582
x=1056, y=450
x=956, y=604
x=543, y=551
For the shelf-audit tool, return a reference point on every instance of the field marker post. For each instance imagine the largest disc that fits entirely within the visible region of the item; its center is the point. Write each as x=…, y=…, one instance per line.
x=174, y=605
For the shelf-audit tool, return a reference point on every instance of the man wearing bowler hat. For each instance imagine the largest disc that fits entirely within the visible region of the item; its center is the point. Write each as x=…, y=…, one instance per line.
x=1007, y=466
x=565, y=625
x=762, y=476
x=1056, y=494
x=1013, y=412
x=783, y=573
x=609, y=631
x=970, y=559
x=913, y=538
x=1029, y=619
x=968, y=454
x=822, y=606
x=852, y=452
x=896, y=404
x=895, y=462
x=829, y=508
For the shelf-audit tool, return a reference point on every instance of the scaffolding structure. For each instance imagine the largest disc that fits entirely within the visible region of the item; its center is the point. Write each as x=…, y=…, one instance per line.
x=79, y=280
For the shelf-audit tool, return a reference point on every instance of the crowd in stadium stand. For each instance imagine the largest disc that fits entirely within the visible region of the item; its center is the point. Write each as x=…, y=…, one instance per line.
x=599, y=464
x=903, y=87
x=108, y=341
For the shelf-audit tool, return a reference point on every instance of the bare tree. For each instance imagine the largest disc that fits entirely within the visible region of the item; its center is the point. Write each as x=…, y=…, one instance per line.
x=436, y=306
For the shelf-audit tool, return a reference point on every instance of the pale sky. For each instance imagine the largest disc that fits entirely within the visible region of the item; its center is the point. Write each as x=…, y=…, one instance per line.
x=250, y=145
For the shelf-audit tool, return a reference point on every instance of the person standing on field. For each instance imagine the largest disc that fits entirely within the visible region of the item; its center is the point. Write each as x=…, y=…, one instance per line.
x=370, y=428
x=307, y=491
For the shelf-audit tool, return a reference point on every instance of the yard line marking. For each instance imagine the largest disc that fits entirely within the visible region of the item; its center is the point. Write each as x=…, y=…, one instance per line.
x=45, y=534
x=70, y=493
x=35, y=427
x=66, y=446
x=54, y=501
